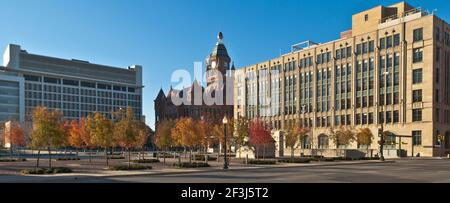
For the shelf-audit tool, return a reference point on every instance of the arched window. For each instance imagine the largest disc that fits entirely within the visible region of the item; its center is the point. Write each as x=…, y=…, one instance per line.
x=306, y=142
x=323, y=141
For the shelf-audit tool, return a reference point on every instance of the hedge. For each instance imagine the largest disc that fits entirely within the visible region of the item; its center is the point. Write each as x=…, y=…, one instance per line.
x=13, y=160
x=262, y=162
x=44, y=171
x=145, y=161
x=191, y=165
x=131, y=168
x=67, y=159
x=295, y=160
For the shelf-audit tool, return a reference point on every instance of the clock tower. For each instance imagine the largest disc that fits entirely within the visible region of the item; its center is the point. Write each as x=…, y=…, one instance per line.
x=218, y=60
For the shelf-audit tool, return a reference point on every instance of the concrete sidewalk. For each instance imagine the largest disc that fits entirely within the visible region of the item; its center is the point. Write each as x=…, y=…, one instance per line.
x=174, y=171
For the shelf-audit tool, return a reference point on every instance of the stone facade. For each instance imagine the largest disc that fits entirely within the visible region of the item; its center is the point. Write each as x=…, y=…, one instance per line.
x=218, y=64
x=391, y=69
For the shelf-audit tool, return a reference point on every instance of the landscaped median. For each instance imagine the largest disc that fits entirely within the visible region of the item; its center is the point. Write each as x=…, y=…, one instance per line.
x=133, y=167
x=46, y=171
x=13, y=160
x=191, y=165
x=304, y=160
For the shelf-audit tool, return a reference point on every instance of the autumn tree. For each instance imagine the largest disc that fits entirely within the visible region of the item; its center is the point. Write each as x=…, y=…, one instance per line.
x=75, y=138
x=48, y=131
x=16, y=137
x=163, y=137
x=143, y=136
x=364, y=136
x=125, y=130
x=86, y=124
x=302, y=134
x=203, y=128
x=185, y=134
x=241, y=133
x=101, y=133
x=291, y=139
x=342, y=136
x=260, y=135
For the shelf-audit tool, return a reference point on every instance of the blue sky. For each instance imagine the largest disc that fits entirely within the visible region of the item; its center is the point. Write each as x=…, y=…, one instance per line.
x=166, y=35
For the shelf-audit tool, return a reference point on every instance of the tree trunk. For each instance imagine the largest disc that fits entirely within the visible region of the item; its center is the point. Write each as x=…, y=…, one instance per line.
x=240, y=151
x=129, y=158
x=107, y=158
x=164, y=156
x=190, y=156
x=38, y=156
x=292, y=154
x=49, y=158
x=11, y=151
x=264, y=151
x=90, y=156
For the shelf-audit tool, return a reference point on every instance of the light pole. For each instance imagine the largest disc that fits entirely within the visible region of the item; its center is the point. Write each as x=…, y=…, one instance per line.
x=441, y=142
x=225, y=162
x=381, y=130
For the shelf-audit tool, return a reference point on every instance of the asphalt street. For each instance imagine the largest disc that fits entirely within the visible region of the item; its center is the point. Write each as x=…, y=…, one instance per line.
x=402, y=171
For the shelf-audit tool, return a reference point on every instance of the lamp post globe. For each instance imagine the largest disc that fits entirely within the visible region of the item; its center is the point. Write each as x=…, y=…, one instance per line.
x=225, y=122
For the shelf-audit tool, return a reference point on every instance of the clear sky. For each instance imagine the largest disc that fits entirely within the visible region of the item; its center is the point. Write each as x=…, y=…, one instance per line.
x=166, y=35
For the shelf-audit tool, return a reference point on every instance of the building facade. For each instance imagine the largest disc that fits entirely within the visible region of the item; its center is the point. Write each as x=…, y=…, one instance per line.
x=75, y=87
x=390, y=70
x=218, y=64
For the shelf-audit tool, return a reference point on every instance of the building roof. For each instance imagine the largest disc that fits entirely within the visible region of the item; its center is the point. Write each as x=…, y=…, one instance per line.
x=220, y=49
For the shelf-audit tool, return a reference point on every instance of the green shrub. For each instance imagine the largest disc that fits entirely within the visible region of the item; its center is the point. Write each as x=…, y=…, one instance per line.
x=166, y=155
x=116, y=157
x=191, y=165
x=68, y=159
x=13, y=160
x=199, y=157
x=295, y=160
x=262, y=162
x=145, y=161
x=131, y=168
x=46, y=171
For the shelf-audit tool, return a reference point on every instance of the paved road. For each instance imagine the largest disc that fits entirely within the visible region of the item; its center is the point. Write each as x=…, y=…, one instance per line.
x=402, y=171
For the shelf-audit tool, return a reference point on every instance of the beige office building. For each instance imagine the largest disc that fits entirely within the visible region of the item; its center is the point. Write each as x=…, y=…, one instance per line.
x=392, y=69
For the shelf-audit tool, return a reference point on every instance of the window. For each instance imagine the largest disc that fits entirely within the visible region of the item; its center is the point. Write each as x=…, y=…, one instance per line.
x=417, y=95
x=32, y=78
x=388, y=117
x=52, y=80
x=417, y=76
x=371, y=46
x=418, y=35
x=70, y=82
x=436, y=95
x=396, y=117
x=417, y=55
x=396, y=40
x=364, y=47
x=437, y=115
x=366, y=17
x=438, y=53
x=358, y=49
x=338, y=54
x=437, y=76
x=417, y=115
x=349, y=51
x=382, y=43
x=438, y=34
x=389, y=42
x=417, y=138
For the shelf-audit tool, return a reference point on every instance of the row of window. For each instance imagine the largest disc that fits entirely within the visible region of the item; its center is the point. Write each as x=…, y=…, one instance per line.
x=68, y=82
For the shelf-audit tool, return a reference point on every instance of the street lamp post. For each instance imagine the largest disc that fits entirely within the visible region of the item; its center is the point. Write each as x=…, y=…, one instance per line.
x=225, y=162
x=381, y=130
